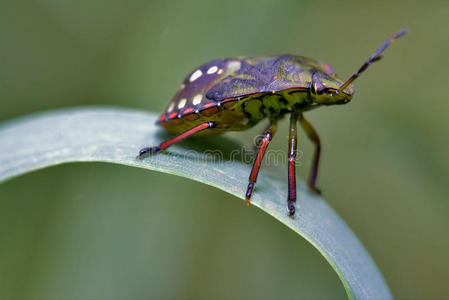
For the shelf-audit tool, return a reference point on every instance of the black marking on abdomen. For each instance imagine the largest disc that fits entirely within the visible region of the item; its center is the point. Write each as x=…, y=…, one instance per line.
x=273, y=104
x=247, y=113
x=299, y=106
x=262, y=108
x=283, y=100
x=284, y=111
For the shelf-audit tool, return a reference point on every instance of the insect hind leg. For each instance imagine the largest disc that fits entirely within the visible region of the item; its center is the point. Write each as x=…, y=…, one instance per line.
x=162, y=146
x=314, y=137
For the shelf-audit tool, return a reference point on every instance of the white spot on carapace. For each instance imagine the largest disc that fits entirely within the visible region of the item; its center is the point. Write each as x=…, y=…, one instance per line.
x=233, y=66
x=212, y=70
x=197, y=74
x=182, y=103
x=220, y=71
x=197, y=99
x=182, y=86
x=170, y=107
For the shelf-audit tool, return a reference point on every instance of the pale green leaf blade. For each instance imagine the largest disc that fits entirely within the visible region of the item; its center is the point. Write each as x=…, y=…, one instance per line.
x=115, y=135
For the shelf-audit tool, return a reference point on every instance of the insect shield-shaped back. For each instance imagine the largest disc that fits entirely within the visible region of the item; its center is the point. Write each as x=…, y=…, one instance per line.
x=258, y=75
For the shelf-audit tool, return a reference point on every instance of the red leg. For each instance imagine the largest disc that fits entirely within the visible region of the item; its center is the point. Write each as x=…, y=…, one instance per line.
x=313, y=135
x=292, y=146
x=257, y=141
x=267, y=136
x=151, y=150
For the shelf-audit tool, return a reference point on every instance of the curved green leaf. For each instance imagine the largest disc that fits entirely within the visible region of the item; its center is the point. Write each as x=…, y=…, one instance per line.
x=115, y=135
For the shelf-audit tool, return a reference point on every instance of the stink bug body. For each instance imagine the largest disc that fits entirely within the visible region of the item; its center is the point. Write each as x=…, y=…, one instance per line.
x=236, y=93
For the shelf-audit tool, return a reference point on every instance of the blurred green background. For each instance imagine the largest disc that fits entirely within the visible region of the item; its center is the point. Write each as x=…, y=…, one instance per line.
x=102, y=231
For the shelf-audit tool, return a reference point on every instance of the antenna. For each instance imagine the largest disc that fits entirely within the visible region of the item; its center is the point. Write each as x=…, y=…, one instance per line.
x=373, y=58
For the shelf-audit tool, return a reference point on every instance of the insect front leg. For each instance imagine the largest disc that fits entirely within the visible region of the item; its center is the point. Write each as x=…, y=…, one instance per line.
x=266, y=139
x=292, y=146
x=162, y=146
x=313, y=135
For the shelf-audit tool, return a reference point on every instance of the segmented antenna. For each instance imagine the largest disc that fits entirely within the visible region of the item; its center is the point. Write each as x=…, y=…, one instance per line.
x=375, y=57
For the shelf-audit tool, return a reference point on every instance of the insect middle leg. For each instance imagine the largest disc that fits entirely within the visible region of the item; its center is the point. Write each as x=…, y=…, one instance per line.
x=292, y=146
x=162, y=146
x=266, y=139
x=313, y=135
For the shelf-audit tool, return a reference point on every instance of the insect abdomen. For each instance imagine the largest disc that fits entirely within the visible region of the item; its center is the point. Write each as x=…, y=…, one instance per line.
x=228, y=116
x=237, y=114
x=274, y=104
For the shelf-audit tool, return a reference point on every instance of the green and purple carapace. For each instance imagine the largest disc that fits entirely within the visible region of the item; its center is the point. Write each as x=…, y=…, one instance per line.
x=237, y=93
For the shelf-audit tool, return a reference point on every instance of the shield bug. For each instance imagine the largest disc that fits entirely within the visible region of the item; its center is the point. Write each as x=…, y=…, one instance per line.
x=236, y=93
